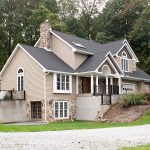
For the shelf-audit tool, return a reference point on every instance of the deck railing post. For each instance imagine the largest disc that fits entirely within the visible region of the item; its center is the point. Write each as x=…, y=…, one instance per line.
x=11, y=94
x=110, y=98
x=102, y=98
x=24, y=95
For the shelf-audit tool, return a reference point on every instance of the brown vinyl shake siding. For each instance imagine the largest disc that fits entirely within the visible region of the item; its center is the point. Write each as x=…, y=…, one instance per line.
x=33, y=76
x=130, y=63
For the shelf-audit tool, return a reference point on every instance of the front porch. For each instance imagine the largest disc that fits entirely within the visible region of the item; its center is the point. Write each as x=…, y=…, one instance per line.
x=97, y=84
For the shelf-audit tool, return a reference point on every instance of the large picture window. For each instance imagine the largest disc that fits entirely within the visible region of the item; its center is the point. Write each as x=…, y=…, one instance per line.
x=61, y=110
x=62, y=83
x=20, y=80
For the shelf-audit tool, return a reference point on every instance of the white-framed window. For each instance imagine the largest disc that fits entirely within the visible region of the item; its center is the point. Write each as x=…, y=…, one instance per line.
x=20, y=79
x=61, y=110
x=124, y=62
x=62, y=83
x=128, y=88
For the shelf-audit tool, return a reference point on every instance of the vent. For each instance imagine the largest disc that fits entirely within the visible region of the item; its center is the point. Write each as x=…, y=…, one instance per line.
x=78, y=45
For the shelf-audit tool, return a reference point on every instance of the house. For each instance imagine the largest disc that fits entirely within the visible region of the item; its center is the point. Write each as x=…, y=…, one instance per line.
x=67, y=77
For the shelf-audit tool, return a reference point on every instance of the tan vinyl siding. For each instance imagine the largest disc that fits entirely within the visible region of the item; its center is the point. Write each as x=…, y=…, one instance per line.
x=63, y=51
x=49, y=91
x=79, y=59
x=51, y=97
x=33, y=76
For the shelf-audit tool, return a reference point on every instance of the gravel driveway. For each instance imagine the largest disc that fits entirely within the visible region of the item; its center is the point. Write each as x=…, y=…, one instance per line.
x=91, y=139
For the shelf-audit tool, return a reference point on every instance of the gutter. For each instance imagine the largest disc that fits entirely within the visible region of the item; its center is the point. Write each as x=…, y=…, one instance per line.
x=136, y=79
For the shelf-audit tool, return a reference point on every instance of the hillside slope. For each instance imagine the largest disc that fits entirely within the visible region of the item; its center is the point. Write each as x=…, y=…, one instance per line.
x=117, y=113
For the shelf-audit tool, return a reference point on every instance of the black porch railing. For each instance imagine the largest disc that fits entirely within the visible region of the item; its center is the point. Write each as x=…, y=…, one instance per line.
x=12, y=95
x=106, y=99
x=98, y=90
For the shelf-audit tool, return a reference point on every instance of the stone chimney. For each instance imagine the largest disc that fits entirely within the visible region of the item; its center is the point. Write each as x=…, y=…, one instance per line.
x=45, y=35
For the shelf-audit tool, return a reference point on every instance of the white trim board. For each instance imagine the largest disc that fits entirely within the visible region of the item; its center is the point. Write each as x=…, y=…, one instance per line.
x=135, y=78
x=109, y=61
x=13, y=54
x=109, y=53
x=126, y=44
x=37, y=42
x=73, y=48
x=9, y=59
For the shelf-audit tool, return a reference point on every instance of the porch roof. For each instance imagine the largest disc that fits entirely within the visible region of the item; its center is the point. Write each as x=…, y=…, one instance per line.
x=138, y=74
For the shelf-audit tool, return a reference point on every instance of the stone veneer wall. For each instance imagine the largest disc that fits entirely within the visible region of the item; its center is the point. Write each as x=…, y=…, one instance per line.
x=50, y=110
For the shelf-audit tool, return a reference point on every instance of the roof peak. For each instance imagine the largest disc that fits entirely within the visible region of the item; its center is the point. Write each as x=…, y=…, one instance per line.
x=92, y=41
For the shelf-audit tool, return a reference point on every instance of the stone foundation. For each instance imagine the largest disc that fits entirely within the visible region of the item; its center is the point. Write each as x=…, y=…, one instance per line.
x=50, y=109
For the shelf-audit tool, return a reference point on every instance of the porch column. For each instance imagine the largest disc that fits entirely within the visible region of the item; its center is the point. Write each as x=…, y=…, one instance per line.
x=111, y=84
x=106, y=84
x=119, y=84
x=97, y=83
x=77, y=85
x=92, y=84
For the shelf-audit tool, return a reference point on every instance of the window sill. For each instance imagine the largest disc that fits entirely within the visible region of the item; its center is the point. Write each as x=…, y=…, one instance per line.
x=66, y=118
x=62, y=92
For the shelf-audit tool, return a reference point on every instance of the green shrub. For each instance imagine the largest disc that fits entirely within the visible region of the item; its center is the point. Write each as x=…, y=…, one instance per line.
x=133, y=99
x=7, y=97
x=147, y=97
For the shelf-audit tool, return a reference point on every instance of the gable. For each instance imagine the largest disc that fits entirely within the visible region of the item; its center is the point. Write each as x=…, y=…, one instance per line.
x=33, y=74
x=116, y=66
x=108, y=64
x=124, y=49
x=130, y=53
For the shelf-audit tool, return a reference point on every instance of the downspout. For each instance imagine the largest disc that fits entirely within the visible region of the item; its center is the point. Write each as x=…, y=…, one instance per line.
x=45, y=74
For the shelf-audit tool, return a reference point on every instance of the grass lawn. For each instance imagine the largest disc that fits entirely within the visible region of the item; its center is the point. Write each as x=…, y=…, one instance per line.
x=71, y=125
x=142, y=147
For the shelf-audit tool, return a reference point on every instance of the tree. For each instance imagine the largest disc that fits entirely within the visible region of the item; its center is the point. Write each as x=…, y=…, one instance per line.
x=139, y=38
x=74, y=26
x=88, y=9
x=119, y=16
x=67, y=9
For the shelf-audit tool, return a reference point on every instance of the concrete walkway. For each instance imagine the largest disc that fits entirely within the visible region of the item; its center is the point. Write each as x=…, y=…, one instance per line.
x=91, y=139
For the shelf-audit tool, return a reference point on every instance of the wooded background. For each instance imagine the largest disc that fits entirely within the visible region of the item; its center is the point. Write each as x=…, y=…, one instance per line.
x=130, y=19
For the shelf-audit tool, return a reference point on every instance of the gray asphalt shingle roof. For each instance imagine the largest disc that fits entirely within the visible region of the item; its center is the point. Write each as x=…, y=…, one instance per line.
x=138, y=74
x=47, y=59
x=99, y=50
x=90, y=46
x=51, y=62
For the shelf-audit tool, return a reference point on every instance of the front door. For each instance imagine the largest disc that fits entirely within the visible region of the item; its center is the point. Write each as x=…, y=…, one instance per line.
x=86, y=85
x=36, y=110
